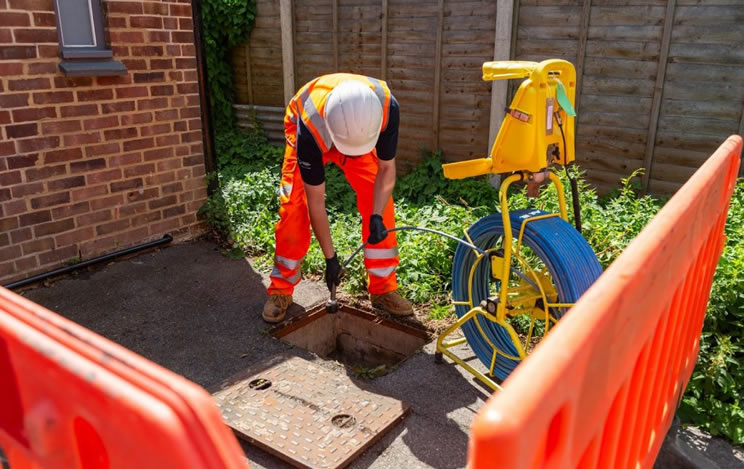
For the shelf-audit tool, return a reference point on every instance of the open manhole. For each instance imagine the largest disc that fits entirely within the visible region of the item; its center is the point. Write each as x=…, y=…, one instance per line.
x=356, y=338
x=310, y=415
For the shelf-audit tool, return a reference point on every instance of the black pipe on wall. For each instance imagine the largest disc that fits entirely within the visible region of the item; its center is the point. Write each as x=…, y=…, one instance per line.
x=96, y=260
x=210, y=161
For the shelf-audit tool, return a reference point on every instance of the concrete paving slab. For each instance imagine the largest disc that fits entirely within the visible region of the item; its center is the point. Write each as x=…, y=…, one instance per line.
x=198, y=313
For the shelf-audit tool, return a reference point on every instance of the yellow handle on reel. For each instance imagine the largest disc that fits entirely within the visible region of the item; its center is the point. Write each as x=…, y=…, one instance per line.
x=507, y=69
x=537, y=130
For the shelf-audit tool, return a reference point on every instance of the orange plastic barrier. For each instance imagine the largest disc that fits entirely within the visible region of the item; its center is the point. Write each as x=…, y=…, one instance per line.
x=72, y=399
x=601, y=390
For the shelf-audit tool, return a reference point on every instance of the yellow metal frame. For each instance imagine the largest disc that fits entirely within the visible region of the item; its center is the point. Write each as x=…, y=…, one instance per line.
x=443, y=347
x=501, y=269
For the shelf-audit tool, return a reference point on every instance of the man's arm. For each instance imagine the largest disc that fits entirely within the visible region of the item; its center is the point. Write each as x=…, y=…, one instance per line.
x=384, y=184
x=319, y=218
x=387, y=146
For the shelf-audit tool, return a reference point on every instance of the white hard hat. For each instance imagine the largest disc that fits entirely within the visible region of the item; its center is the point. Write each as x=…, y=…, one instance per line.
x=353, y=116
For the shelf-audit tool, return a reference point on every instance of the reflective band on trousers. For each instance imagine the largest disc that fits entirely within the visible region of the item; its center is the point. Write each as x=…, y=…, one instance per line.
x=285, y=190
x=276, y=273
x=372, y=253
x=287, y=262
x=381, y=271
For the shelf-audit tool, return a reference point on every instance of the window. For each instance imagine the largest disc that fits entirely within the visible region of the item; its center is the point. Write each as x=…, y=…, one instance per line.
x=83, y=48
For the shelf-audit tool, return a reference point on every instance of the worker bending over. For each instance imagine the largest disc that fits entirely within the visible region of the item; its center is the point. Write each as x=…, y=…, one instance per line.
x=350, y=120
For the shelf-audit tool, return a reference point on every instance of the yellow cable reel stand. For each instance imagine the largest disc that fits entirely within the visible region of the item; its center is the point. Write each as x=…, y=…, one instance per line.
x=537, y=131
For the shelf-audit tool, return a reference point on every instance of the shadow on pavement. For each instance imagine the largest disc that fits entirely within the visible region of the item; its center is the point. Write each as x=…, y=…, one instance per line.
x=187, y=308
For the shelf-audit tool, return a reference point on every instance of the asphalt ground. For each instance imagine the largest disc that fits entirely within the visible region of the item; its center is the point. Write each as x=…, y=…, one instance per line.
x=198, y=313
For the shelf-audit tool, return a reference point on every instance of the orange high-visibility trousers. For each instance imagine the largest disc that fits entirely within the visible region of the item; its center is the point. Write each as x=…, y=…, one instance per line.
x=292, y=232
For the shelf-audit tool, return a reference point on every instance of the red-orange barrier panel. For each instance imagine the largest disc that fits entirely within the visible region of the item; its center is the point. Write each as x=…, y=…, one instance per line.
x=72, y=399
x=601, y=390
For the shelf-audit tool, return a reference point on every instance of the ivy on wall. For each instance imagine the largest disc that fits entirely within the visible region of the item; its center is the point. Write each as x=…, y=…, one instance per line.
x=227, y=23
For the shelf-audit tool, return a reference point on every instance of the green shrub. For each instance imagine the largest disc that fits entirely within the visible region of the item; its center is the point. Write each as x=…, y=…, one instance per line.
x=245, y=210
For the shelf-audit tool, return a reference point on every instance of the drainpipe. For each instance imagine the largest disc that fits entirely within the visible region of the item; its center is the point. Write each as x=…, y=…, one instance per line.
x=96, y=260
x=210, y=162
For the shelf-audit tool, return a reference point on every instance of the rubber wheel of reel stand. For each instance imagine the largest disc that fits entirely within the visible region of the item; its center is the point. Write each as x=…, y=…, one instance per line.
x=567, y=256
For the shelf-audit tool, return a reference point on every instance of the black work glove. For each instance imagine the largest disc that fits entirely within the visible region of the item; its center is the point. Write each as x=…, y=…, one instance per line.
x=333, y=272
x=377, y=230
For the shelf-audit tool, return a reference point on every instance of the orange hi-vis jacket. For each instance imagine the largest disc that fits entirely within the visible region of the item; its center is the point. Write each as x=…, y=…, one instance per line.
x=292, y=232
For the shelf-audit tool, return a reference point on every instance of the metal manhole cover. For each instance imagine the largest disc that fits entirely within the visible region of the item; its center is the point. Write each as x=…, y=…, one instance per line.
x=310, y=416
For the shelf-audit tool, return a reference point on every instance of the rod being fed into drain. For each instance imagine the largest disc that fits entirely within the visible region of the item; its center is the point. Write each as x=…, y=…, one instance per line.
x=332, y=303
x=417, y=228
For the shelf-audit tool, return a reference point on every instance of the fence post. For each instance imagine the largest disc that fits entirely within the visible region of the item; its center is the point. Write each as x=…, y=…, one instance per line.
x=512, y=86
x=248, y=79
x=437, y=76
x=335, y=35
x=502, y=50
x=285, y=17
x=653, y=124
x=384, y=40
x=586, y=14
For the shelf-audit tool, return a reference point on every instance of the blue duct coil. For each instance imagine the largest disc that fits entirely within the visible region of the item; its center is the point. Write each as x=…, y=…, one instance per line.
x=566, y=254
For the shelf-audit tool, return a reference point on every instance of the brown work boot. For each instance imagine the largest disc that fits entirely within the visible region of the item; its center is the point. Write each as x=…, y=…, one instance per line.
x=276, y=307
x=391, y=302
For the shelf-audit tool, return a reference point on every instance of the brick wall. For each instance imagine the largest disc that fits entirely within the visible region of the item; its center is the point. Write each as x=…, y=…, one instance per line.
x=90, y=165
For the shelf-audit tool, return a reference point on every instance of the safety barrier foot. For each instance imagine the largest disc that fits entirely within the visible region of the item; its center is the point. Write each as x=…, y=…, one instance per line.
x=438, y=358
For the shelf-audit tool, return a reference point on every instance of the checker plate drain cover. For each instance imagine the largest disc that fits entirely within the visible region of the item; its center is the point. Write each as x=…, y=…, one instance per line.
x=308, y=415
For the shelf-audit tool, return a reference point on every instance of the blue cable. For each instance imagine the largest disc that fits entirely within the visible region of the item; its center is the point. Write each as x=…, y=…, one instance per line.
x=566, y=254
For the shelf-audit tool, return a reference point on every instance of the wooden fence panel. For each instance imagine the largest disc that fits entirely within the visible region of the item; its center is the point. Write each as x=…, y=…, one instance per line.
x=618, y=87
x=271, y=119
x=660, y=81
x=360, y=37
x=411, y=47
x=468, y=41
x=684, y=91
x=313, y=39
x=703, y=94
x=257, y=66
x=436, y=77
